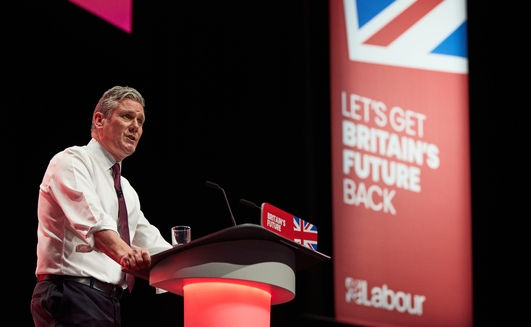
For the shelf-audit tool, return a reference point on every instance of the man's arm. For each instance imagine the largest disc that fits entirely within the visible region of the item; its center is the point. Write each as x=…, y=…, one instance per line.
x=148, y=236
x=110, y=243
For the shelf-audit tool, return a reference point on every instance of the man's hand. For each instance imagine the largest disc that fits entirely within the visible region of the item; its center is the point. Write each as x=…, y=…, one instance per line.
x=110, y=243
x=135, y=260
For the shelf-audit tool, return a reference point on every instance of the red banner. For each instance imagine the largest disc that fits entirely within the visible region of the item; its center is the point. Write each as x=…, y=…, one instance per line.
x=400, y=161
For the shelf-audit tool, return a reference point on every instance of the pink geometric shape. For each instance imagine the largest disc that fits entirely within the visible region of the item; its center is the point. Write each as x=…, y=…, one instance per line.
x=117, y=12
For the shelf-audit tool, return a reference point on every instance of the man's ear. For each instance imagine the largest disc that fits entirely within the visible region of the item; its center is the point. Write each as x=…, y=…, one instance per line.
x=98, y=119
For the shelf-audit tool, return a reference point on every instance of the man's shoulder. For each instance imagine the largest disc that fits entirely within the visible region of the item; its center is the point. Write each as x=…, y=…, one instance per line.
x=91, y=154
x=72, y=151
x=73, y=155
x=67, y=161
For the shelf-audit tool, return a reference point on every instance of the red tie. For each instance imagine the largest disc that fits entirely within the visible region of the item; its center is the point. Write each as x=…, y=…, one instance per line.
x=122, y=214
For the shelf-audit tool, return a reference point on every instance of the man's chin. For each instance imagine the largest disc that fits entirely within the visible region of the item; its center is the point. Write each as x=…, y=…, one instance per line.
x=128, y=151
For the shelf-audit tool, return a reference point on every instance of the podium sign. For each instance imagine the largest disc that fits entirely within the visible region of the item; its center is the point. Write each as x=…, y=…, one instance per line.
x=289, y=226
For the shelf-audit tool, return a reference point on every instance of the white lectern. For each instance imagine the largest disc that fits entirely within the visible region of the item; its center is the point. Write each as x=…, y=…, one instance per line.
x=231, y=277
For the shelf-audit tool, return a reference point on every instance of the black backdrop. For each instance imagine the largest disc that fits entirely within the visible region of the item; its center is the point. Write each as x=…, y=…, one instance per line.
x=237, y=93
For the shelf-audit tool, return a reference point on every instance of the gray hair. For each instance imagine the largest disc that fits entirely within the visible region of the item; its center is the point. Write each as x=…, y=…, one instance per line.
x=112, y=97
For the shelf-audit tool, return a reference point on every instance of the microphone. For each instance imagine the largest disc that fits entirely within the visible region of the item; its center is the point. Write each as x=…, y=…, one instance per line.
x=217, y=187
x=249, y=203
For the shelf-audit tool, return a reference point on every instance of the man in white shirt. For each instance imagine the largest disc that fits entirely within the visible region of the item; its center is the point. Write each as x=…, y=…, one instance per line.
x=80, y=252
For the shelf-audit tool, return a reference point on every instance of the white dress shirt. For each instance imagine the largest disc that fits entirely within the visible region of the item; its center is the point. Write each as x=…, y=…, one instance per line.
x=76, y=199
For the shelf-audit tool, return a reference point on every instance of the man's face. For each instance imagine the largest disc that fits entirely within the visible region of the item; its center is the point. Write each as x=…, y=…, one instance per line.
x=120, y=133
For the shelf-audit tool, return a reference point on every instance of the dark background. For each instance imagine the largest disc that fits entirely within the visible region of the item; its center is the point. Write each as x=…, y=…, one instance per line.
x=237, y=93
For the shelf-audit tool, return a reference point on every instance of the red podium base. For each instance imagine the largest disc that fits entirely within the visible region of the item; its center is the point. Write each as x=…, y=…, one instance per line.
x=225, y=304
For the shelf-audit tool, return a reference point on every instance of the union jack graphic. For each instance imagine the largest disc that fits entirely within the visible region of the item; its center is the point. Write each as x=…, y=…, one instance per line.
x=425, y=34
x=304, y=233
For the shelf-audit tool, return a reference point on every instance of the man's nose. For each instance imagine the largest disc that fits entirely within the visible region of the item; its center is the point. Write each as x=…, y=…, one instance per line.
x=134, y=126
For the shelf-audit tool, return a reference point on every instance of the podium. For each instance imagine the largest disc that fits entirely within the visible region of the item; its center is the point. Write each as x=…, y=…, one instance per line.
x=231, y=277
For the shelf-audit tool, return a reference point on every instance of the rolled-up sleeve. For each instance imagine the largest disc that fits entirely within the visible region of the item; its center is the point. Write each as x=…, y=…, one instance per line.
x=73, y=184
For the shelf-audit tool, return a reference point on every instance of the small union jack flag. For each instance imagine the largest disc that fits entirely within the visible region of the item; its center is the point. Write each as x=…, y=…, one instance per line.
x=305, y=233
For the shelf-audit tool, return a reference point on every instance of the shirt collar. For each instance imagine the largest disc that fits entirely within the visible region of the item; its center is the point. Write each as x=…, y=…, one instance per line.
x=102, y=155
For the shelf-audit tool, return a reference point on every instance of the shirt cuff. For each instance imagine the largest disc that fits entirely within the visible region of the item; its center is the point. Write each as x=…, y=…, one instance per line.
x=106, y=224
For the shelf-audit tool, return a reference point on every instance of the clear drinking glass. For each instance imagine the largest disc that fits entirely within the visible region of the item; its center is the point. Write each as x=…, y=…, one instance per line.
x=180, y=235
